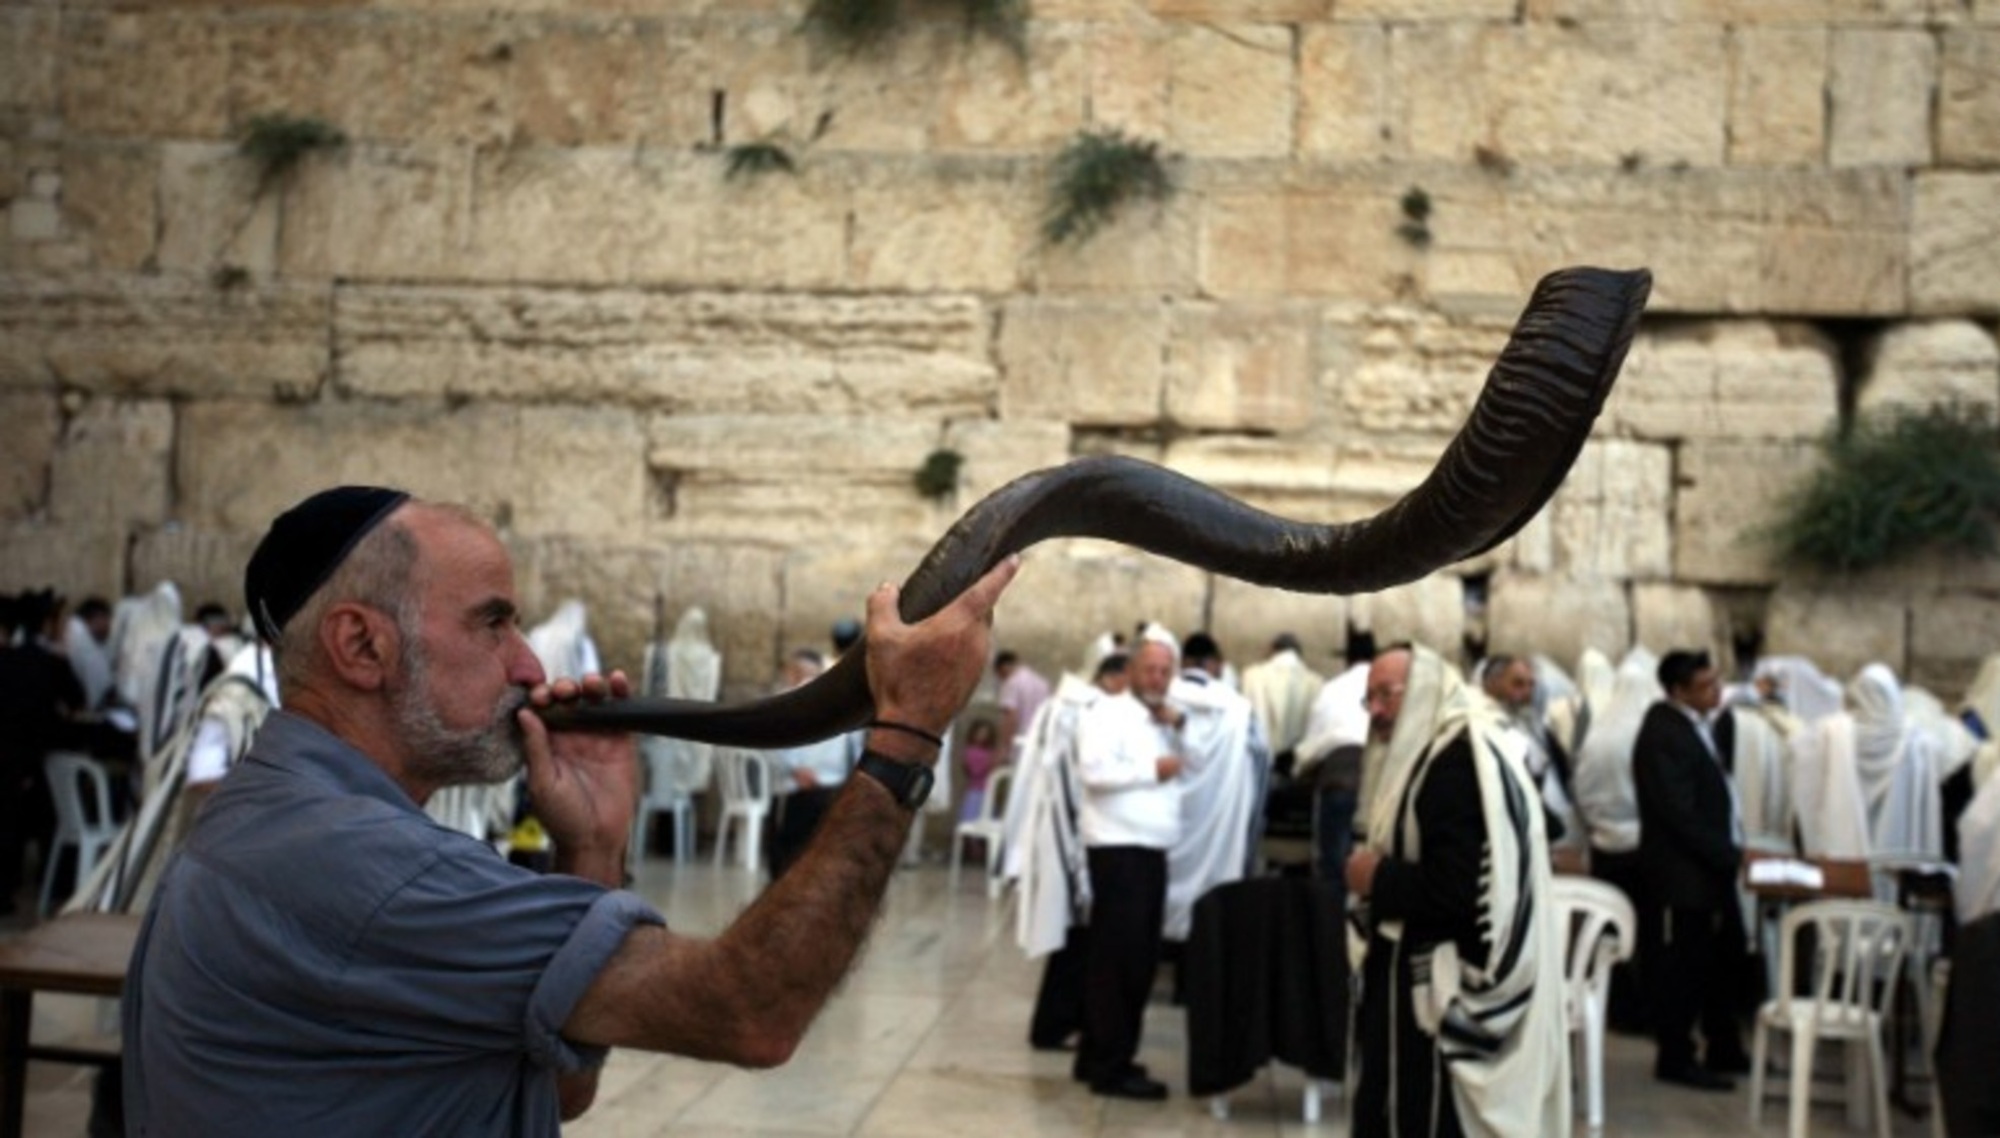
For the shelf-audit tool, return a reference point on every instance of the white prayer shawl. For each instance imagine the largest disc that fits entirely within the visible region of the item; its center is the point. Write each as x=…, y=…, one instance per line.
x=1952, y=743
x=170, y=703
x=687, y=667
x=1826, y=790
x=1985, y=762
x=1898, y=768
x=1339, y=718
x=1761, y=762
x=563, y=644
x=140, y=628
x=1221, y=784
x=1605, y=794
x=1502, y=1029
x=1977, y=891
x=1281, y=689
x=1044, y=850
x=1804, y=690
x=90, y=661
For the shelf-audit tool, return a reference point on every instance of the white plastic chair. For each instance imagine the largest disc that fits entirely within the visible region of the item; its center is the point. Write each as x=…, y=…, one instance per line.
x=91, y=831
x=744, y=778
x=1858, y=951
x=987, y=827
x=1603, y=930
x=670, y=800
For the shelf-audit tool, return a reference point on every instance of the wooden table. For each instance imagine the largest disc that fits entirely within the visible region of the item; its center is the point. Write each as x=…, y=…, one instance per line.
x=83, y=954
x=1842, y=878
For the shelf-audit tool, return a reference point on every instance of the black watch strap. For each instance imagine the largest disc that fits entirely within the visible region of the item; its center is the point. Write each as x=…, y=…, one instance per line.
x=910, y=783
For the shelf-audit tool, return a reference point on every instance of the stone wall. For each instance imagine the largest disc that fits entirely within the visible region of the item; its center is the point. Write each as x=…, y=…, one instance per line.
x=525, y=283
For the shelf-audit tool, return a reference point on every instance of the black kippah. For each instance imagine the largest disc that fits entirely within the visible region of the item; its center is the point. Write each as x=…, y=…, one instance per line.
x=305, y=545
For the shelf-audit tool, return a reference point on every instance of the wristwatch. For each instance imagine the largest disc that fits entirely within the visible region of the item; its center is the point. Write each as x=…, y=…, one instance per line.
x=910, y=783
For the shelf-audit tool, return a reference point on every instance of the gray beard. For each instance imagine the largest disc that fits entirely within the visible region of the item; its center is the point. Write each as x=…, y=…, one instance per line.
x=491, y=752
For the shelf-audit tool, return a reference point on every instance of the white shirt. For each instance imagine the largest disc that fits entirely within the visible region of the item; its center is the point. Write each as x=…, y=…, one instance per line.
x=1124, y=802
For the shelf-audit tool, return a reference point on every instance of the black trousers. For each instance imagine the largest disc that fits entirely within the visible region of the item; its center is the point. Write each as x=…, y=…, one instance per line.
x=1059, y=1001
x=1630, y=1008
x=1128, y=887
x=1698, y=981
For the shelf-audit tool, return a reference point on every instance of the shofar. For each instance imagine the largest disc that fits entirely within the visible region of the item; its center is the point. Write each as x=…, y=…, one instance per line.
x=1525, y=431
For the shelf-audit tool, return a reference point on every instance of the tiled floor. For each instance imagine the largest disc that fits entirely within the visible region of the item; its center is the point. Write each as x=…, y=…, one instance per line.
x=929, y=1038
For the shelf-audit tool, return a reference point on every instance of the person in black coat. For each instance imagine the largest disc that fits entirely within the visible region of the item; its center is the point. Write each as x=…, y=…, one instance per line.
x=1690, y=851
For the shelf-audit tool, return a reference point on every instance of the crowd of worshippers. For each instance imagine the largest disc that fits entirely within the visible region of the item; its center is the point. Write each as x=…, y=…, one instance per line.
x=1165, y=774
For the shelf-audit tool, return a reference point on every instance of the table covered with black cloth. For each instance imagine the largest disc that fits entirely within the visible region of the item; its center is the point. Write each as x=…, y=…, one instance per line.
x=1265, y=977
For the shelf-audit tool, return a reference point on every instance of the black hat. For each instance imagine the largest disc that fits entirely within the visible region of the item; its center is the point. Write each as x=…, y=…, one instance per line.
x=305, y=545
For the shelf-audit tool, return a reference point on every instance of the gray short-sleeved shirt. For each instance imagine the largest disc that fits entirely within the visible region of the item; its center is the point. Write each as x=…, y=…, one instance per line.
x=322, y=958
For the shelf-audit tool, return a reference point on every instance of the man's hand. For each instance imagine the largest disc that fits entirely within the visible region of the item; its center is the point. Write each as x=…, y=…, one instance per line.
x=1167, y=767
x=922, y=674
x=1361, y=871
x=805, y=779
x=585, y=785
x=1167, y=715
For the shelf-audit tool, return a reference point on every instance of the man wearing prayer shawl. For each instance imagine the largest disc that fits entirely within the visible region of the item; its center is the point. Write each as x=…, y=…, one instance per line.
x=1281, y=689
x=1048, y=859
x=1610, y=810
x=1462, y=1025
x=1222, y=793
x=1866, y=784
x=686, y=667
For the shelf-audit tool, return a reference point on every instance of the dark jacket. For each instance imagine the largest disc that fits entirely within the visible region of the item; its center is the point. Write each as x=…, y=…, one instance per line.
x=1686, y=846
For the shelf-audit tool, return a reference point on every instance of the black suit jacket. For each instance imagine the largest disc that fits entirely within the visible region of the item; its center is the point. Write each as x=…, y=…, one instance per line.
x=1687, y=849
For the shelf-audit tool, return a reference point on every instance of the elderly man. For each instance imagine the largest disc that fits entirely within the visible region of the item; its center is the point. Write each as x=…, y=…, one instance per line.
x=1463, y=977
x=1129, y=761
x=1511, y=683
x=322, y=958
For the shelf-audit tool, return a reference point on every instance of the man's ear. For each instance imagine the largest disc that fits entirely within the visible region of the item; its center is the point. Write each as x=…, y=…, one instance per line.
x=361, y=644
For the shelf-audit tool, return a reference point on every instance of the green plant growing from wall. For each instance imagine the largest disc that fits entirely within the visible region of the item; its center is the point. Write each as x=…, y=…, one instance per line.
x=857, y=26
x=1416, y=225
x=276, y=143
x=937, y=478
x=1898, y=482
x=755, y=159
x=1095, y=177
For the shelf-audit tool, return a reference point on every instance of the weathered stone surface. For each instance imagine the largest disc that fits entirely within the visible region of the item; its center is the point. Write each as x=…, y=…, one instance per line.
x=364, y=76
x=1665, y=617
x=1069, y=592
x=206, y=565
x=740, y=587
x=29, y=39
x=1841, y=632
x=1253, y=11
x=109, y=200
x=1430, y=611
x=112, y=467
x=1727, y=380
x=939, y=228
x=1924, y=363
x=371, y=212
x=1244, y=619
x=702, y=353
x=76, y=560
x=133, y=336
x=28, y=428
x=1558, y=616
x=831, y=581
x=1336, y=237
x=1728, y=491
x=1410, y=10
x=1950, y=635
x=1240, y=367
x=1129, y=69
x=1968, y=129
x=991, y=100
x=1092, y=362
x=1345, y=91
x=1548, y=93
x=216, y=210
x=1777, y=96
x=536, y=471
x=1613, y=514
x=1746, y=12
x=1955, y=242
x=1413, y=371
x=996, y=452
x=1879, y=89
x=145, y=72
x=1233, y=90
x=1148, y=248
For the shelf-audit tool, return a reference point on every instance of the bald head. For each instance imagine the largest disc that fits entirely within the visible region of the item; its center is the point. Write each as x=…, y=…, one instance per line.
x=1150, y=671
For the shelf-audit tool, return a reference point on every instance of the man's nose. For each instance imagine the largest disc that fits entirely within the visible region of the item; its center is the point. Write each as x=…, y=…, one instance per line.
x=524, y=668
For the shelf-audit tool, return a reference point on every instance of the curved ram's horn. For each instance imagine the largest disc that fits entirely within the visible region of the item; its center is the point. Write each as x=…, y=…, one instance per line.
x=1530, y=421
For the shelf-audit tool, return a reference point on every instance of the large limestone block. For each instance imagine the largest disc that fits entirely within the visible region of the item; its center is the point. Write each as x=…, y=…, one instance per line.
x=1330, y=236
x=146, y=71
x=916, y=229
x=1880, y=84
x=1070, y=592
x=1728, y=493
x=1092, y=362
x=997, y=451
x=216, y=209
x=1147, y=248
x=376, y=213
x=1777, y=96
x=1613, y=515
x=1557, y=616
x=1955, y=242
x=30, y=39
x=1411, y=371
x=595, y=80
x=1429, y=611
x=1240, y=367
x=545, y=471
x=1130, y=74
x=1244, y=619
x=1838, y=629
x=364, y=75
x=1665, y=617
x=1924, y=363
x=1412, y=10
x=29, y=424
x=740, y=586
x=804, y=447
x=1298, y=480
x=1232, y=90
x=1345, y=91
x=112, y=465
x=1810, y=13
x=830, y=581
x=1951, y=634
x=76, y=560
x=207, y=565
x=1586, y=93
x=1727, y=379
x=138, y=337
x=1247, y=11
x=701, y=353
x=1968, y=129
x=110, y=200
x=991, y=100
